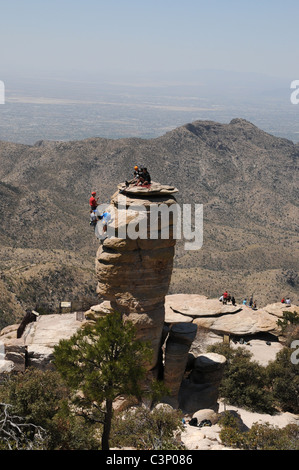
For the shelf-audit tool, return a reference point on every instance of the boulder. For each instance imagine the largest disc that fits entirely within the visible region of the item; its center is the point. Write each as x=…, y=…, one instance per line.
x=9, y=332
x=165, y=407
x=35, y=347
x=208, y=368
x=206, y=414
x=12, y=350
x=212, y=315
x=98, y=311
x=16, y=354
x=200, y=389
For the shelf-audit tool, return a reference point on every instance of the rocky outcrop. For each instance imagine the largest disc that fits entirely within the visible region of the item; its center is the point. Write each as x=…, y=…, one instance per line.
x=245, y=322
x=35, y=346
x=194, y=306
x=212, y=315
x=134, y=267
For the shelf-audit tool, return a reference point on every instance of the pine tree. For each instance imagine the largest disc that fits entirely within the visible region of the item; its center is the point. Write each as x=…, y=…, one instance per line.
x=101, y=362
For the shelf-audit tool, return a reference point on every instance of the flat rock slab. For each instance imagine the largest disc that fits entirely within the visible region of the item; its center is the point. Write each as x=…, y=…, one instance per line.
x=194, y=305
x=155, y=189
x=173, y=317
x=244, y=322
x=48, y=330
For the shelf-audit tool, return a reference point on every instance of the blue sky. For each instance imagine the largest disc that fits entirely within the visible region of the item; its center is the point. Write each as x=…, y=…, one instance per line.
x=68, y=37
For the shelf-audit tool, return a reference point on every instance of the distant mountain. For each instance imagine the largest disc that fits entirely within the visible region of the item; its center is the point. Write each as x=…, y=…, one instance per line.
x=246, y=179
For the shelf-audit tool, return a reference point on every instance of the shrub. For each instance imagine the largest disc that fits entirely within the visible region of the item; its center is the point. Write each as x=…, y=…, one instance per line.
x=42, y=398
x=244, y=382
x=288, y=318
x=260, y=436
x=147, y=430
x=283, y=378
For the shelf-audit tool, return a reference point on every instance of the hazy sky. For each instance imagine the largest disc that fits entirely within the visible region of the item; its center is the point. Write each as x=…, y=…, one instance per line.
x=67, y=37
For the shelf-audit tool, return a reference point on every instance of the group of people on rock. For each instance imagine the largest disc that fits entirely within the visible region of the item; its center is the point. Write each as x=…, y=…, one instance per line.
x=251, y=303
x=141, y=177
x=226, y=297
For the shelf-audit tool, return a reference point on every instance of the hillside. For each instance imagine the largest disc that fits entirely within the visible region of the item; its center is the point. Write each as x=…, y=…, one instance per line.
x=246, y=179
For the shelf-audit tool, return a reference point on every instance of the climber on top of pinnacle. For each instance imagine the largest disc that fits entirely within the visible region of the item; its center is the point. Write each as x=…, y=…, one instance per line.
x=136, y=176
x=144, y=177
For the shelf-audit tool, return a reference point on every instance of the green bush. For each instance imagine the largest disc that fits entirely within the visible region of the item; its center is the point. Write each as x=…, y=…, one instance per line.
x=283, y=379
x=244, y=382
x=259, y=437
x=146, y=430
x=288, y=318
x=247, y=384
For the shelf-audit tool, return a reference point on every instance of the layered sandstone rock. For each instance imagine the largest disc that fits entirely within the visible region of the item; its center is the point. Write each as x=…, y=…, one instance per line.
x=177, y=349
x=212, y=315
x=134, y=263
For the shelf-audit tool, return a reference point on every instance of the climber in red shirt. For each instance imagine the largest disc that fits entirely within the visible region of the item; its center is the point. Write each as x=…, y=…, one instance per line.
x=225, y=296
x=93, y=202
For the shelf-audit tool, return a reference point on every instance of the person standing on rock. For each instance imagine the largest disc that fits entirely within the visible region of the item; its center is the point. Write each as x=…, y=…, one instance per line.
x=225, y=296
